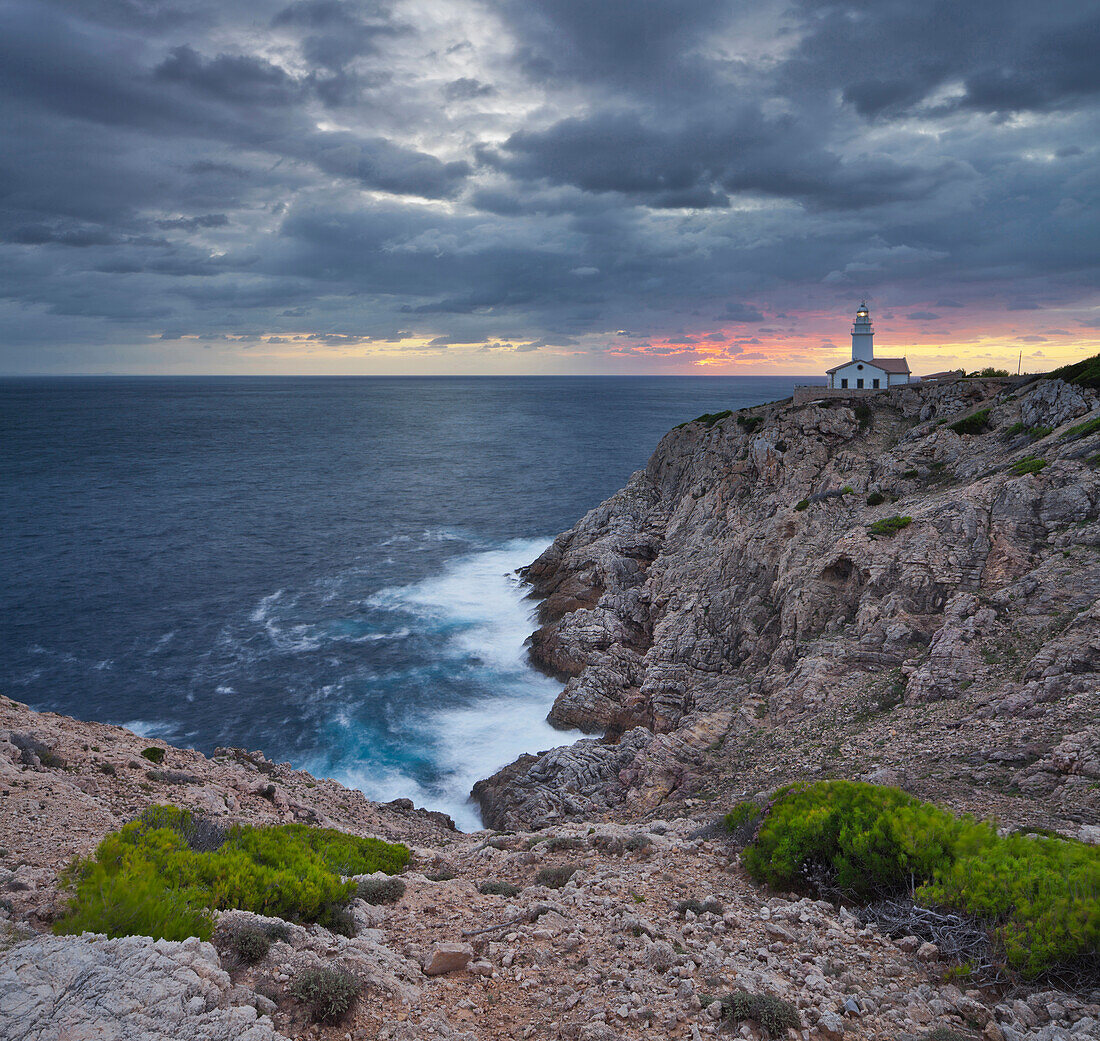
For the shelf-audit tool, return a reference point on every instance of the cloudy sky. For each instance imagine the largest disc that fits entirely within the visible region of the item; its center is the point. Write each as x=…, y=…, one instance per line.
x=527, y=186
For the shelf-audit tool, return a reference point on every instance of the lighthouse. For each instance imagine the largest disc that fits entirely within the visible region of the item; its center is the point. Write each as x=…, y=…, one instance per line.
x=865, y=371
x=863, y=335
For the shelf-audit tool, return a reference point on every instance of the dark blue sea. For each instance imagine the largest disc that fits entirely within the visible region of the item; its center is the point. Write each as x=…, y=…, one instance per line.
x=321, y=568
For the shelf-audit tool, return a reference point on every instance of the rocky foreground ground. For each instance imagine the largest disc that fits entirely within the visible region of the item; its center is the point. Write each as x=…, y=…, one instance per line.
x=729, y=621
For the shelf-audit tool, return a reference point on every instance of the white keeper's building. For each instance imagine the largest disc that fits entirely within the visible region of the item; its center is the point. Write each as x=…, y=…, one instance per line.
x=865, y=371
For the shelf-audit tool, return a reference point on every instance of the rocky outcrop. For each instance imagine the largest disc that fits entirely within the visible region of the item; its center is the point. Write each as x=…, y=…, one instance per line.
x=741, y=613
x=133, y=988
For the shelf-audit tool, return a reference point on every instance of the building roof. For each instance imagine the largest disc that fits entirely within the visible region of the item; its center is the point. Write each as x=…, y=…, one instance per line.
x=885, y=364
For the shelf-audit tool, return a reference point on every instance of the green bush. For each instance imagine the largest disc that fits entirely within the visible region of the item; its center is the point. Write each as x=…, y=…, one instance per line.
x=975, y=423
x=801, y=504
x=327, y=993
x=863, y=414
x=1016, y=428
x=381, y=890
x=147, y=879
x=1090, y=426
x=1030, y=465
x=1084, y=373
x=889, y=526
x=154, y=755
x=637, y=843
x=1040, y=895
x=876, y=499
x=774, y=1015
x=742, y=817
x=492, y=888
x=749, y=423
x=708, y=419
x=988, y=371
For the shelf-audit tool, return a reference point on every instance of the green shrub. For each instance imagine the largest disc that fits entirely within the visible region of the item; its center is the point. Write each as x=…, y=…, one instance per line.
x=774, y=1015
x=708, y=419
x=1038, y=433
x=381, y=890
x=1090, y=426
x=743, y=816
x=328, y=993
x=1015, y=429
x=166, y=887
x=876, y=499
x=1084, y=373
x=987, y=372
x=863, y=414
x=31, y=748
x=556, y=877
x=749, y=423
x=801, y=504
x=889, y=526
x=637, y=843
x=1030, y=465
x=1040, y=895
x=492, y=888
x=154, y=755
x=975, y=423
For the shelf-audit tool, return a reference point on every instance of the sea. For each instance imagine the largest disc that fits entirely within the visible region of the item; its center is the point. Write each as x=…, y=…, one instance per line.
x=322, y=568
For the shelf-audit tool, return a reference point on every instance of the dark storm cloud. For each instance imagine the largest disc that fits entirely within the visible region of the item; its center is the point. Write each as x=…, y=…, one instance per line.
x=535, y=171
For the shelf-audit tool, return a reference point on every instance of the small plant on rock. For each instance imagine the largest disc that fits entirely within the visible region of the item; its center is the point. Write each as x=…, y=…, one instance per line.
x=697, y=907
x=774, y=1015
x=328, y=993
x=381, y=890
x=153, y=754
x=1030, y=465
x=801, y=504
x=876, y=499
x=741, y=821
x=638, y=843
x=889, y=526
x=975, y=423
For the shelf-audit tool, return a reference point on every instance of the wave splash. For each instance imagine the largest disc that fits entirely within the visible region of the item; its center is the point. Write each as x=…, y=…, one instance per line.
x=467, y=705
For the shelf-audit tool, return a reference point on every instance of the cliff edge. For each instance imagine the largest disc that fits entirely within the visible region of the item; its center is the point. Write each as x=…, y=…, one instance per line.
x=901, y=588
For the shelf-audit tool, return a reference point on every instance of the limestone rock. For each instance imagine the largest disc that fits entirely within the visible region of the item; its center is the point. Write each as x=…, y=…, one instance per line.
x=448, y=957
x=53, y=988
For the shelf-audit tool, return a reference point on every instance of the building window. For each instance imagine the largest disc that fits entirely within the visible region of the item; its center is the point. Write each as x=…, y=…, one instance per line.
x=859, y=384
x=874, y=383
x=843, y=384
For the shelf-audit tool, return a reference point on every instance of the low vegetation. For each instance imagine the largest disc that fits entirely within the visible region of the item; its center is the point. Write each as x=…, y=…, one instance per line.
x=712, y=905
x=162, y=874
x=1038, y=895
x=876, y=499
x=1090, y=426
x=249, y=944
x=1031, y=465
x=708, y=419
x=975, y=423
x=327, y=993
x=494, y=888
x=556, y=877
x=380, y=890
x=801, y=504
x=889, y=526
x=749, y=423
x=774, y=1016
x=1084, y=373
x=153, y=754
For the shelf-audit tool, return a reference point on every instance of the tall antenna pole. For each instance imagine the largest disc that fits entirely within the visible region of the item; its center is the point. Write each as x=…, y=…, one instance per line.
x=1020, y=363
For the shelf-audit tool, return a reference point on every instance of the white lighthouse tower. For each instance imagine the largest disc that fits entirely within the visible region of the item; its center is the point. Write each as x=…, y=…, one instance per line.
x=866, y=372
x=863, y=335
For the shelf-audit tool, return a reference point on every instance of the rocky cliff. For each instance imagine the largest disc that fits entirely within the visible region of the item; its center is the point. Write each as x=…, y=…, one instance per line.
x=902, y=587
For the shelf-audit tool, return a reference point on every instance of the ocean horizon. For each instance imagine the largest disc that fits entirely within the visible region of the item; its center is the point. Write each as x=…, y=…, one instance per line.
x=320, y=567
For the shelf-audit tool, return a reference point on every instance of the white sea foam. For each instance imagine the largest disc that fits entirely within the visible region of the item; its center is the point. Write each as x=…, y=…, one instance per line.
x=150, y=727
x=477, y=608
x=265, y=605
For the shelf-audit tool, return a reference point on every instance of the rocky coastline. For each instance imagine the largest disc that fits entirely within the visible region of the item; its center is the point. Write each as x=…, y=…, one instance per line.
x=734, y=618
x=903, y=590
